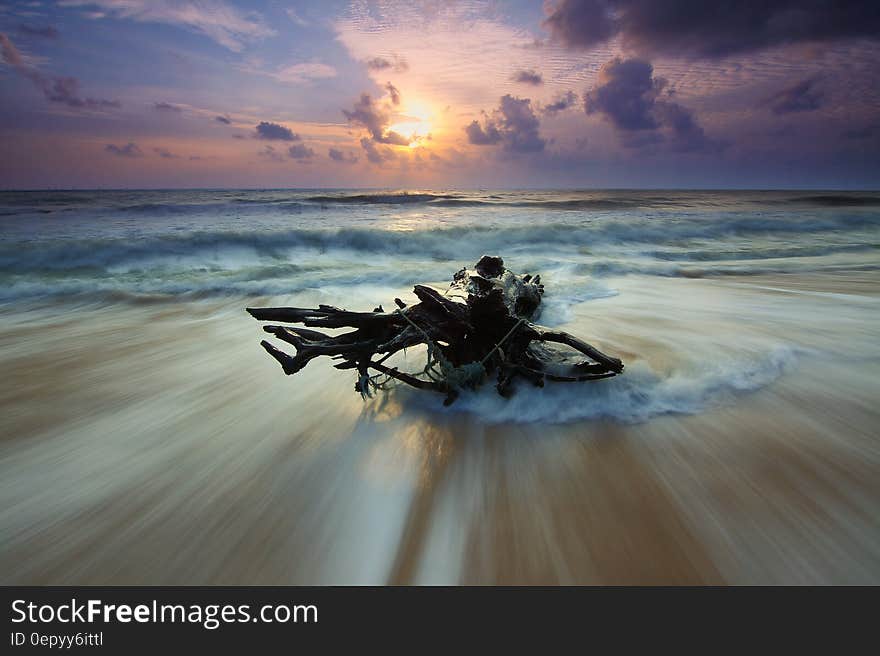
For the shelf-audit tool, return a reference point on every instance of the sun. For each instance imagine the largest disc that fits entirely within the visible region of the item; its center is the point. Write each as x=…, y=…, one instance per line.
x=414, y=121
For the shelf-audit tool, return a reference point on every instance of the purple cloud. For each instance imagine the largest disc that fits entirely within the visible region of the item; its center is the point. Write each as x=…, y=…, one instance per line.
x=376, y=155
x=275, y=132
x=166, y=107
x=800, y=97
x=128, y=150
x=629, y=97
x=399, y=65
x=375, y=118
x=54, y=88
x=709, y=29
x=528, y=77
x=338, y=156
x=561, y=103
x=165, y=154
x=269, y=153
x=513, y=124
x=301, y=152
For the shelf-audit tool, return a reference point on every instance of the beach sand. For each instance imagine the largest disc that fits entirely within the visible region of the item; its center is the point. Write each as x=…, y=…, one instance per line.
x=155, y=443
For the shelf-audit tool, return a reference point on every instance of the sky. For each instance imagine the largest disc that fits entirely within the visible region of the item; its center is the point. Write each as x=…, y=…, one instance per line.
x=471, y=94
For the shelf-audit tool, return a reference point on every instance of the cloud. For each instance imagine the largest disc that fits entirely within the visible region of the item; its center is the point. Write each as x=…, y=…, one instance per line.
x=560, y=103
x=629, y=97
x=217, y=20
x=513, y=124
x=275, y=132
x=376, y=155
x=128, y=150
x=163, y=153
x=626, y=94
x=375, y=118
x=225, y=120
x=304, y=72
x=482, y=135
x=393, y=92
x=800, y=97
x=345, y=157
x=398, y=64
x=269, y=153
x=300, y=151
x=528, y=77
x=55, y=88
x=11, y=55
x=295, y=17
x=166, y=107
x=47, y=32
x=66, y=90
x=709, y=29
x=581, y=23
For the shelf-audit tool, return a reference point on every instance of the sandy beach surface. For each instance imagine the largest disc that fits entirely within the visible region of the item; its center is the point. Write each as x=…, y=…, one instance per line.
x=154, y=443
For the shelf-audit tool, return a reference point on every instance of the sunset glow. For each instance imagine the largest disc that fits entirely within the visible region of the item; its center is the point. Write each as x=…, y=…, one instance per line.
x=103, y=93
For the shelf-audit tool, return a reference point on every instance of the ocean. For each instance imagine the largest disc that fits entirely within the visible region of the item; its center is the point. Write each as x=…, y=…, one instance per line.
x=147, y=438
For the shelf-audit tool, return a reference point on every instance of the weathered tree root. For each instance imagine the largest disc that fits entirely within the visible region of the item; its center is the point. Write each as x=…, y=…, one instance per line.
x=478, y=326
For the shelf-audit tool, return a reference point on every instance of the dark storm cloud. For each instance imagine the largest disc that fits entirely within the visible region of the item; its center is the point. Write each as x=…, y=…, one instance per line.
x=300, y=151
x=375, y=118
x=338, y=156
x=47, y=32
x=275, y=132
x=513, y=124
x=166, y=107
x=629, y=97
x=561, y=103
x=398, y=64
x=528, y=77
x=710, y=29
x=626, y=94
x=225, y=120
x=800, y=97
x=128, y=150
x=55, y=88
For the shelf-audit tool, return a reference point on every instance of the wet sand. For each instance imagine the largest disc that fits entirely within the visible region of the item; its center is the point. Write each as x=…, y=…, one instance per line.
x=156, y=444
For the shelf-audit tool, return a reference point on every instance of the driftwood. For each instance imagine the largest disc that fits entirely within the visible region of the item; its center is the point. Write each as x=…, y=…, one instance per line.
x=479, y=326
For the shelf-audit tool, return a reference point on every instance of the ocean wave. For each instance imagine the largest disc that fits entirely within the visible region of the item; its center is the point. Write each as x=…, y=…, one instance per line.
x=760, y=253
x=637, y=395
x=460, y=200
x=449, y=243
x=839, y=200
x=378, y=199
x=609, y=268
x=574, y=204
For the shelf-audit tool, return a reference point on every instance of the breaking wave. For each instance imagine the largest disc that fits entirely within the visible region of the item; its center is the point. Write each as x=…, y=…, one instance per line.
x=634, y=397
x=437, y=243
